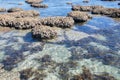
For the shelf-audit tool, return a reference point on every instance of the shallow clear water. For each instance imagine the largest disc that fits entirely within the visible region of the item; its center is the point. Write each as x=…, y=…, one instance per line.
x=94, y=44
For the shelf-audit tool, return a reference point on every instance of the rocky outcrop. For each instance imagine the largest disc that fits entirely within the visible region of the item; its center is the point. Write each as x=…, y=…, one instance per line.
x=39, y=5
x=43, y=32
x=18, y=23
x=79, y=16
x=29, y=22
x=14, y=9
x=33, y=1
x=8, y=75
x=111, y=12
x=85, y=8
x=63, y=22
x=2, y=10
x=22, y=14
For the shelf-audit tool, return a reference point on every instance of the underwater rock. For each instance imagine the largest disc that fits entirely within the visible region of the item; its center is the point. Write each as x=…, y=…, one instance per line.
x=43, y=32
x=87, y=75
x=62, y=22
x=33, y=1
x=79, y=16
x=22, y=14
x=14, y=10
x=32, y=74
x=8, y=75
x=2, y=10
x=39, y=5
x=18, y=23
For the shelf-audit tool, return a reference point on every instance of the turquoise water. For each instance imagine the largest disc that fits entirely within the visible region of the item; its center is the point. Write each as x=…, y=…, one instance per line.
x=94, y=44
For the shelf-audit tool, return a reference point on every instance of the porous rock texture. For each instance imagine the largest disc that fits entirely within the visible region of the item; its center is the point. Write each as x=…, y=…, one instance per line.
x=22, y=14
x=43, y=32
x=63, y=22
x=79, y=16
x=18, y=23
x=111, y=12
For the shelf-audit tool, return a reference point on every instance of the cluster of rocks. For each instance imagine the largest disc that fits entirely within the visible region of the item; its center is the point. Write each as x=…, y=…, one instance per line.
x=8, y=75
x=43, y=32
x=111, y=12
x=36, y=3
x=14, y=9
x=2, y=10
x=79, y=16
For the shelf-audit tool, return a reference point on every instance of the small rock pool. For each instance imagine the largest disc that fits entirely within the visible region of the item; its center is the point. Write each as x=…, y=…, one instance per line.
x=94, y=44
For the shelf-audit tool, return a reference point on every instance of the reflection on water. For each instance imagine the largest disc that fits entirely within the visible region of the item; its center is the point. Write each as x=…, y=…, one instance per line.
x=95, y=44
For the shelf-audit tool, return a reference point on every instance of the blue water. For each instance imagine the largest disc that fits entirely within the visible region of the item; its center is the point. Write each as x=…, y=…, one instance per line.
x=99, y=45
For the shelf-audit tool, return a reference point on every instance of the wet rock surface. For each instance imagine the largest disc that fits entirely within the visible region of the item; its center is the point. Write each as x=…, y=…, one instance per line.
x=2, y=10
x=14, y=10
x=79, y=16
x=8, y=75
x=39, y=5
x=43, y=32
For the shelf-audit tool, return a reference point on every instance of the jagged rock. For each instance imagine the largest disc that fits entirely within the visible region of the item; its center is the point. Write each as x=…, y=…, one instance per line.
x=63, y=22
x=22, y=14
x=39, y=5
x=18, y=23
x=79, y=16
x=14, y=10
x=43, y=32
x=33, y=1
x=8, y=75
x=2, y=10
